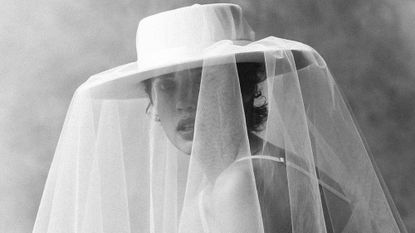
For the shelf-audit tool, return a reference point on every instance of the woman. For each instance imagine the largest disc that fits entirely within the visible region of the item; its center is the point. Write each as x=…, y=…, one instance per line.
x=239, y=136
x=177, y=94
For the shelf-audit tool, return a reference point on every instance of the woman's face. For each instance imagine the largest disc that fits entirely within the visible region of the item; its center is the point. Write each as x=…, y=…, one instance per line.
x=175, y=97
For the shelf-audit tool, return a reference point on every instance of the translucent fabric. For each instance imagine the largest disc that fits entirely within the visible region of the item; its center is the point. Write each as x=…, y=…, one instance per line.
x=186, y=159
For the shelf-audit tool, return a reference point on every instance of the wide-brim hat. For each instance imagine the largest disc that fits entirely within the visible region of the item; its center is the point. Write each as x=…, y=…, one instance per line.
x=185, y=38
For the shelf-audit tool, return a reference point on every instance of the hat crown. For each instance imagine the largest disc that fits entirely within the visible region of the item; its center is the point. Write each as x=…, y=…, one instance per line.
x=191, y=28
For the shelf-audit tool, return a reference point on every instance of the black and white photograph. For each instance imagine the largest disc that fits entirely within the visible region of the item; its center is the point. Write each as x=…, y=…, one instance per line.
x=180, y=116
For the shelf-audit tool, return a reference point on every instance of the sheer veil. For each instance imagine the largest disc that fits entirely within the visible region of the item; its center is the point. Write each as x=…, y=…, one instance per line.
x=117, y=169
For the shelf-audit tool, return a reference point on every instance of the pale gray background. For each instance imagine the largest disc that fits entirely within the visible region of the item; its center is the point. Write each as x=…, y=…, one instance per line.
x=49, y=47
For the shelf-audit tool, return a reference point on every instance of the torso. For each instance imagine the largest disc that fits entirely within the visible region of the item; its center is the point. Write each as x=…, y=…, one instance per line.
x=272, y=189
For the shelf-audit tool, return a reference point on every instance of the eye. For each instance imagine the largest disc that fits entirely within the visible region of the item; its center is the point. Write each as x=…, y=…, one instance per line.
x=166, y=84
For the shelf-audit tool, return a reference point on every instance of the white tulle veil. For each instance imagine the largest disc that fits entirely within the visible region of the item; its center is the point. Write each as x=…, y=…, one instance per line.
x=116, y=170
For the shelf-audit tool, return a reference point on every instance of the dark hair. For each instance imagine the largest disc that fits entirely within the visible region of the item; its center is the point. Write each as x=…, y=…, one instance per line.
x=250, y=75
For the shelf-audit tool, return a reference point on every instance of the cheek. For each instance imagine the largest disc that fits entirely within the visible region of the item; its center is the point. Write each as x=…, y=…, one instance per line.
x=165, y=109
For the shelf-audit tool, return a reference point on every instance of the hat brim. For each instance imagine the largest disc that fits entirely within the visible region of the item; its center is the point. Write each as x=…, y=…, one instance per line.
x=125, y=81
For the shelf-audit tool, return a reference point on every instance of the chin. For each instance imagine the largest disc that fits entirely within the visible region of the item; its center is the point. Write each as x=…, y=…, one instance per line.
x=187, y=147
x=184, y=141
x=184, y=145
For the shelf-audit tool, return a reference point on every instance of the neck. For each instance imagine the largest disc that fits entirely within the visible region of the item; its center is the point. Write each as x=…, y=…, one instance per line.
x=255, y=143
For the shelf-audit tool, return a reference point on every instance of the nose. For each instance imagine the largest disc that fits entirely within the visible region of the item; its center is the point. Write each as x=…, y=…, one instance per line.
x=187, y=96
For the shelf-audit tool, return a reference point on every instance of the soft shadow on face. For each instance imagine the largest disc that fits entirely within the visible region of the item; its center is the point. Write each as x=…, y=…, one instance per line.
x=175, y=97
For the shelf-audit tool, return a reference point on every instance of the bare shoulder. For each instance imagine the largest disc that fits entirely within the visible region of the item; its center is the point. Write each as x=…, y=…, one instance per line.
x=234, y=200
x=254, y=189
x=237, y=179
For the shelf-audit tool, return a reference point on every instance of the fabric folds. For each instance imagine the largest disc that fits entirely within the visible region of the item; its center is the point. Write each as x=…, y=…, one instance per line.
x=121, y=165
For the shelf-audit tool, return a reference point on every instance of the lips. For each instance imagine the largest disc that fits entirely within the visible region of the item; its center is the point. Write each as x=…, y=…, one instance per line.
x=185, y=128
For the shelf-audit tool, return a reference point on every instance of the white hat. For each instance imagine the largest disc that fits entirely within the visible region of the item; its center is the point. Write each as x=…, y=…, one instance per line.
x=181, y=37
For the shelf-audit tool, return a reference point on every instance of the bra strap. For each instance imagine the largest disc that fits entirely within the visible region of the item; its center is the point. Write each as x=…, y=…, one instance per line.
x=300, y=169
x=266, y=157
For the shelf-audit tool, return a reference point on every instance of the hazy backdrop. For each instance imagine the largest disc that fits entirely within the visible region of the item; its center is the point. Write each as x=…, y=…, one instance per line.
x=49, y=47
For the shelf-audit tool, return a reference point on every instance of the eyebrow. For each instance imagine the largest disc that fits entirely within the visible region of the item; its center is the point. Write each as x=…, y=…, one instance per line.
x=164, y=76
